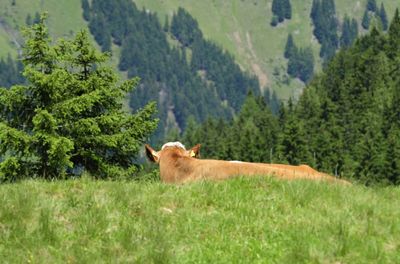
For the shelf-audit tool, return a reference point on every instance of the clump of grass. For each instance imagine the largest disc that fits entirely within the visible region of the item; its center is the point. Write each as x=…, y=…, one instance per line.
x=240, y=220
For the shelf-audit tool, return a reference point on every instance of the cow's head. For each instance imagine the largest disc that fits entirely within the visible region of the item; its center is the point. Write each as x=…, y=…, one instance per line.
x=172, y=147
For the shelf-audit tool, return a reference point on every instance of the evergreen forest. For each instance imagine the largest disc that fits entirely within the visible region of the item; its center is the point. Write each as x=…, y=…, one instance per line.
x=186, y=74
x=346, y=122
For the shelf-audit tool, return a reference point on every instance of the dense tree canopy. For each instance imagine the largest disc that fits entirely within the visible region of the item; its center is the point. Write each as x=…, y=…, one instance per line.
x=323, y=15
x=300, y=60
x=69, y=116
x=193, y=77
x=281, y=10
x=346, y=122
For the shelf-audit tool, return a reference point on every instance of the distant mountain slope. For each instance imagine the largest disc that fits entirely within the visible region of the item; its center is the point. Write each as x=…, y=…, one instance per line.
x=243, y=28
x=65, y=17
x=240, y=26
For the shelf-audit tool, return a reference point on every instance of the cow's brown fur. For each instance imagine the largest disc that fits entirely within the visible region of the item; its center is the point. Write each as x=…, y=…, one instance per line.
x=178, y=165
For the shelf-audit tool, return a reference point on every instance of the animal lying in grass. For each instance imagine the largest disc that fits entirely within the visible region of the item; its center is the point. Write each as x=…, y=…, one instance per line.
x=178, y=165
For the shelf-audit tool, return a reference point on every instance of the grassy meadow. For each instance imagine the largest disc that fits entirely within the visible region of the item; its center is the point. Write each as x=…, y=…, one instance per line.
x=259, y=220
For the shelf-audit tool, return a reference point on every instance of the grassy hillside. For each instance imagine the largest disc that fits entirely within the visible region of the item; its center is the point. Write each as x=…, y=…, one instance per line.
x=241, y=220
x=65, y=18
x=243, y=28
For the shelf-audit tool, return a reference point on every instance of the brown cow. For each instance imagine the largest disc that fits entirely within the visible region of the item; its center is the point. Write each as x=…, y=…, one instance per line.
x=178, y=165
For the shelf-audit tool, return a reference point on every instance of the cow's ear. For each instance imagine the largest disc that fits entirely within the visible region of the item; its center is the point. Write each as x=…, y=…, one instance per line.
x=195, y=151
x=153, y=155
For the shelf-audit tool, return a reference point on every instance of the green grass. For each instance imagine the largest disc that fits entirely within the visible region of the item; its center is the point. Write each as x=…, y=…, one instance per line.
x=257, y=220
x=65, y=19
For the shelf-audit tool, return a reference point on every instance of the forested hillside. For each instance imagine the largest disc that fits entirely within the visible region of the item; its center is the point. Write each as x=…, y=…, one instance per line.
x=192, y=77
x=244, y=28
x=347, y=121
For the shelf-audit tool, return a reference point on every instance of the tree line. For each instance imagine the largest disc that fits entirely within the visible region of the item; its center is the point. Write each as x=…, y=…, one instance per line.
x=191, y=77
x=10, y=72
x=346, y=122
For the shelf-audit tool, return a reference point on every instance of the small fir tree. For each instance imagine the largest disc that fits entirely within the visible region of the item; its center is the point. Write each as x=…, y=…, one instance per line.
x=366, y=20
x=371, y=6
x=289, y=47
x=383, y=17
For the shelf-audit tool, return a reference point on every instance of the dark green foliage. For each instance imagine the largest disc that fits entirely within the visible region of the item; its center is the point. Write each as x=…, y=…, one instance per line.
x=28, y=20
x=230, y=82
x=349, y=32
x=366, y=20
x=346, y=122
x=185, y=28
x=86, y=9
x=292, y=144
x=375, y=15
x=252, y=136
x=394, y=36
x=36, y=19
x=274, y=21
x=371, y=6
x=323, y=15
x=69, y=117
x=393, y=155
x=10, y=72
x=207, y=83
x=288, y=9
x=301, y=61
x=289, y=47
x=98, y=27
x=281, y=10
x=353, y=93
x=383, y=17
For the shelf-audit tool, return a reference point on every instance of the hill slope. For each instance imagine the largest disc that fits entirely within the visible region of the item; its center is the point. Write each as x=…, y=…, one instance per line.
x=240, y=220
x=243, y=28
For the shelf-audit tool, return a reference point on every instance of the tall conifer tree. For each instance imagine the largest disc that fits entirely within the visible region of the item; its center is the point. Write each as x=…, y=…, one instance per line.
x=383, y=17
x=70, y=115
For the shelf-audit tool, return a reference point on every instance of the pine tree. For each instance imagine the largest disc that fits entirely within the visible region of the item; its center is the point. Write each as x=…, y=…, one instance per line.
x=383, y=17
x=292, y=147
x=345, y=39
x=394, y=36
x=289, y=47
x=393, y=156
x=86, y=9
x=287, y=14
x=323, y=14
x=281, y=10
x=371, y=6
x=366, y=20
x=354, y=30
x=69, y=117
x=278, y=9
x=315, y=9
